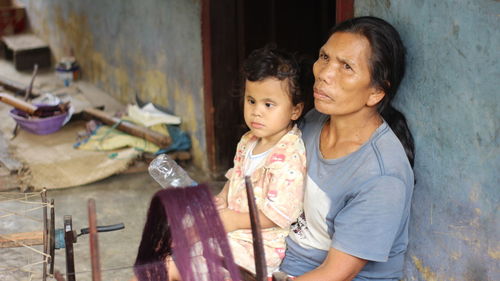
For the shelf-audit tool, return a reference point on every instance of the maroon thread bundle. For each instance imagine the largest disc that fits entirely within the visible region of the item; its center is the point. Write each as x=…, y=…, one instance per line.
x=180, y=219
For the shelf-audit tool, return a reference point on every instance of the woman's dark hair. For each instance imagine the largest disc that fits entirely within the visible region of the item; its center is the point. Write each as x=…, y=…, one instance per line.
x=271, y=62
x=387, y=68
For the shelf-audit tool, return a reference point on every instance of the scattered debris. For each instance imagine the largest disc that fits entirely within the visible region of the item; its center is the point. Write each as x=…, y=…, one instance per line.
x=135, y=130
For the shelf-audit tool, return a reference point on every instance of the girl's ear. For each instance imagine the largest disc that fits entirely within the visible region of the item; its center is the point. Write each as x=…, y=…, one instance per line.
x=297, y=111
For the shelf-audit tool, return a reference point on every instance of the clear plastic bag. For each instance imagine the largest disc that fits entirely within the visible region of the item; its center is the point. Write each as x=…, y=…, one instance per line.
x=168, y=173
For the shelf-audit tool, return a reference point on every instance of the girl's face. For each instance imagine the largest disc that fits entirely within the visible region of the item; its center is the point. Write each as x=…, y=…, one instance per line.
x=342, y=76
x=268, y=109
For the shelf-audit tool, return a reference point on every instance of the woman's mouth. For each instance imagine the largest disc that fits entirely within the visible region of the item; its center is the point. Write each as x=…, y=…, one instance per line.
x=320, y=95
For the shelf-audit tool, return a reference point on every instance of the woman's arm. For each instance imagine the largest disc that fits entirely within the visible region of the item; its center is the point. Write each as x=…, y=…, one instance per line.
x=233, y=220
x=338, y=266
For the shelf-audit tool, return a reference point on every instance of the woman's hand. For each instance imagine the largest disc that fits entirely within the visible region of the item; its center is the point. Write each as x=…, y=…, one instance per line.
x=338, y=266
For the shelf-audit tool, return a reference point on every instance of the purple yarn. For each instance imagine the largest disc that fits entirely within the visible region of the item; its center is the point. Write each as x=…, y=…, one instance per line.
x=178, y=218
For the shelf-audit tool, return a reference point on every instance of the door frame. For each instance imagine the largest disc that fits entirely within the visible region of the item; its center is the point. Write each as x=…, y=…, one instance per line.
x=344, y=10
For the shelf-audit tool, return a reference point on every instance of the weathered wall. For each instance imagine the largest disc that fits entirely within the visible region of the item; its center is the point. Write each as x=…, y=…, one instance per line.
x=451, y=98
x=125, y=47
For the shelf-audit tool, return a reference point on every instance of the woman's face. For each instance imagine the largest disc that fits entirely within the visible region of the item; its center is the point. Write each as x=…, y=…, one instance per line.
x=342, y=76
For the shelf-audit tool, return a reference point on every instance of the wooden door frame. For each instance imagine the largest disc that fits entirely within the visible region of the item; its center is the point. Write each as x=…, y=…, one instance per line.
x=206, y=46
x=344, y=10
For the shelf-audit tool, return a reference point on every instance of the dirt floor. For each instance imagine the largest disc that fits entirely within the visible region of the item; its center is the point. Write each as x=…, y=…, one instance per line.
x=119, y=199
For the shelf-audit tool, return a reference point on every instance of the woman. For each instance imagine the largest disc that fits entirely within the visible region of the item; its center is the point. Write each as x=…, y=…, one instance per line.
x=360, y=158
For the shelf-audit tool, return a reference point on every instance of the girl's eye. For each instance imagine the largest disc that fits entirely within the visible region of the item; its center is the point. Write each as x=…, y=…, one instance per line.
x=268, y=104
x=251, y=101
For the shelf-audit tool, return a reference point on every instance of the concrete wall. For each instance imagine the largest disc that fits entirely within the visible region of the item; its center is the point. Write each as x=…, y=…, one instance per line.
x=152, y=48
x=451, y=98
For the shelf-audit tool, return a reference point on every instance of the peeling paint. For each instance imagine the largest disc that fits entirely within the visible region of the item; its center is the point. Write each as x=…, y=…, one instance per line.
x=153, y=84
x=153, y=66
x=474, y=193
x=426, y=272
x=494, y=253
x=455, y=255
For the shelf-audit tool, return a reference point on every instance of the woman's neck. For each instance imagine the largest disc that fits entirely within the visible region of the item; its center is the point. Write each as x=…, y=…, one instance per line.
x=342, y=135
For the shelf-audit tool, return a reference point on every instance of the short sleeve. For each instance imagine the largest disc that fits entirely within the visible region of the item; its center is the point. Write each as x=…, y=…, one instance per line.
x=367, y=226
x=283, y=201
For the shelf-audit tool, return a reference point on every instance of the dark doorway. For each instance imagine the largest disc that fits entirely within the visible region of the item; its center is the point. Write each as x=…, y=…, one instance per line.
x=235, y=29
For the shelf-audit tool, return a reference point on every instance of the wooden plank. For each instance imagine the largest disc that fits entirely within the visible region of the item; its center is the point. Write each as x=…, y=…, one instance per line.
x=21, y=42
x=161, y=140
x=17, y=239
x=26, y=59
x=16, y=86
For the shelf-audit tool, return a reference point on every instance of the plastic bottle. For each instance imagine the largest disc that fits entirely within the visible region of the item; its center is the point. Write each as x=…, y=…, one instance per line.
x=168, y=173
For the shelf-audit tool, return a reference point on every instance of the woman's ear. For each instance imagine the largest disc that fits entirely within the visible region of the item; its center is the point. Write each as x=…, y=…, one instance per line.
x=375, y=97
x=297, y=111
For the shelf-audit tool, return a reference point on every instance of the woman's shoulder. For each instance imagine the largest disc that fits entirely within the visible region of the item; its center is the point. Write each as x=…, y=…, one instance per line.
x=389, y=155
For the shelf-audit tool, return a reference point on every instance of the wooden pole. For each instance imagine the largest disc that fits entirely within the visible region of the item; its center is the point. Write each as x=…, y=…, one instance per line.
x=52, y=238
x=18, y=103
x=94, y=243
x=258, y=245
x=69, y=238
x=45, y=233
x=138, y=131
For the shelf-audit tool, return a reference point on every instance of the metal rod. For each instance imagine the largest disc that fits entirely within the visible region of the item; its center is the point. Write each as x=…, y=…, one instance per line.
x=52, y=233
x=94, y=243
x=68, y=241
x=258, y=246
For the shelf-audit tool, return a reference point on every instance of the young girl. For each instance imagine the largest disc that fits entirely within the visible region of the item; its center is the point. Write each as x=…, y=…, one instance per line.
x=271, y=153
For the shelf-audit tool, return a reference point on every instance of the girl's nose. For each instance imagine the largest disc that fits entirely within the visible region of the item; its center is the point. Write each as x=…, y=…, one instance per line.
x=256, y=111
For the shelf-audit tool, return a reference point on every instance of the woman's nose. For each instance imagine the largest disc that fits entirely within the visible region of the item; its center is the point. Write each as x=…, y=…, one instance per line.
x=325, y=73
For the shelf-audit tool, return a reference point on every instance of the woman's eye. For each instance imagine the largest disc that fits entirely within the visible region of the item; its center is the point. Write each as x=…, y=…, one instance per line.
x=323, y=56
x=347, y=67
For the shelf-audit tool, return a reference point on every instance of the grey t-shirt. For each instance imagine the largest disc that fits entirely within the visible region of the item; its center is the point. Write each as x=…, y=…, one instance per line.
x=358, y=204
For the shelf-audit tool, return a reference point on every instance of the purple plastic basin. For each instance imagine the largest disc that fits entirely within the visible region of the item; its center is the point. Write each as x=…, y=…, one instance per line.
x=39, y=126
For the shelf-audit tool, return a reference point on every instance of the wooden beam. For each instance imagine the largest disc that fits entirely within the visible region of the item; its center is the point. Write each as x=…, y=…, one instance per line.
x=129, y=128
x=207, y=83
x=344, y=10
x=20, y=239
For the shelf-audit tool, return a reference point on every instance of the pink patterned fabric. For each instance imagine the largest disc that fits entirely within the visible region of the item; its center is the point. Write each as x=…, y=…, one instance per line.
x=278, y=187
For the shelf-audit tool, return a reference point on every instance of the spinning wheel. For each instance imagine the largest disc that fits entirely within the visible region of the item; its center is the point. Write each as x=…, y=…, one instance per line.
x=50, y=238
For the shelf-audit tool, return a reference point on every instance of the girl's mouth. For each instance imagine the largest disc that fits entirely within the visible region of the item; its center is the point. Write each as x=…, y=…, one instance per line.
x=257, y=125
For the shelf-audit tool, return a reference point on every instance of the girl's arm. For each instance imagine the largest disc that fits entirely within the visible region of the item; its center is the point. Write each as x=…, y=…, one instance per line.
x=233, y=220
x=338, y=266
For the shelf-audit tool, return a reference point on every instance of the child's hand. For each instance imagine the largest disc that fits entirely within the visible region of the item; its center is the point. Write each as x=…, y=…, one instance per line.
x=220, y=202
